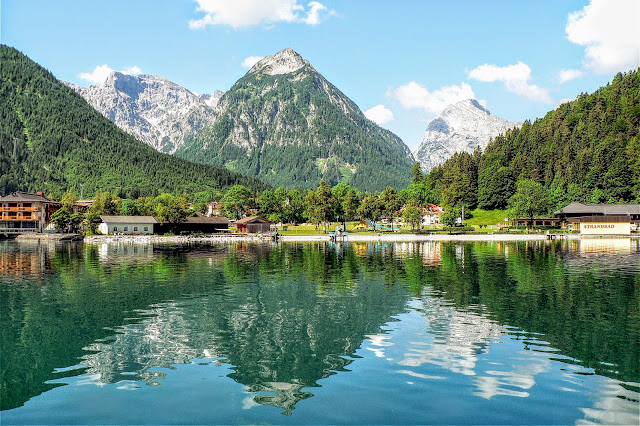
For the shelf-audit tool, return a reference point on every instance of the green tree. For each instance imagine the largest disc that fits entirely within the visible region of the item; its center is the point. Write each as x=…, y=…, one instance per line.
x=66, y=220
x=412, y=215
x=69, y=201
x=129, y=208
x=391, y=204
x=171, y=208
x=530, y=199
x=371, y=208
x=495, y=186
x=236, y=201
x=105, y=203
x=416, y=171
x=326, y=203
x=350, y=205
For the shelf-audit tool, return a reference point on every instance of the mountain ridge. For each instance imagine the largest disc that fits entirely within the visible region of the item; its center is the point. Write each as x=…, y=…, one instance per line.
x=151, y=108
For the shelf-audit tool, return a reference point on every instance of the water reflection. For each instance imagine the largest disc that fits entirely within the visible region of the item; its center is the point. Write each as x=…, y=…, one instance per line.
x=285, y=317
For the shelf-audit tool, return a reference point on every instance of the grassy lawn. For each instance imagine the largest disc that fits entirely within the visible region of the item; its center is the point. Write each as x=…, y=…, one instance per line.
x=486, y=217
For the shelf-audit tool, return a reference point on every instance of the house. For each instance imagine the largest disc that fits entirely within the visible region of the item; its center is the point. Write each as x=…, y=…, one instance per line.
x=253, y=225
x=130, y=225
x=198, y=224
x=432, y=215
x=600, y=218
x=213, y=209
x=22, y=212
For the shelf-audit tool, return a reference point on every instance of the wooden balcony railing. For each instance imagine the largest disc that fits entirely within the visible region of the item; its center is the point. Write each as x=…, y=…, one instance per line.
x=18, y=209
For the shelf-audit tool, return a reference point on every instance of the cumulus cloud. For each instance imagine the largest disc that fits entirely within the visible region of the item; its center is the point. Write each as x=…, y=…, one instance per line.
x=609, y=31
x=101, y=72
x=515, y=78
x=415, y=95
x=247, y=13
x=251, y=61
x=568, y=75
x=379, y=114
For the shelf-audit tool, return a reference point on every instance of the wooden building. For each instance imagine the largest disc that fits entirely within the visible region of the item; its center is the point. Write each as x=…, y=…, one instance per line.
x=253, y=225
x=22, y=212
x=602, y=225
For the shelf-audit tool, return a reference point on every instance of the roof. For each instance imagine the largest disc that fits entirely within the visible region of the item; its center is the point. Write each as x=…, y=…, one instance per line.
x=21, y=196
x=606, y=209
x=204, y=219
x=128, y=219
x=252, y=219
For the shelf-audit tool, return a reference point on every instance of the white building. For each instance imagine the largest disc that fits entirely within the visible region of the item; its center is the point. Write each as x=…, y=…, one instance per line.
x=130, y=225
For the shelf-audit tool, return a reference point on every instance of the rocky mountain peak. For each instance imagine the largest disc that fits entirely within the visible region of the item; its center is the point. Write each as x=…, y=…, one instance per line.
x=462, y=126
x=151, y=108
x=284, y=62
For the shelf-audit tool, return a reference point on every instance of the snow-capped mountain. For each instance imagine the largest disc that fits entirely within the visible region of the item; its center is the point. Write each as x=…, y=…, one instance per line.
x=151, y=108
x=462, y=126
x=284, y=123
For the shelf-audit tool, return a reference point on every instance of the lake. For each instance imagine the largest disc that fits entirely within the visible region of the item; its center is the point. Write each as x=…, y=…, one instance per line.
x=289, y=333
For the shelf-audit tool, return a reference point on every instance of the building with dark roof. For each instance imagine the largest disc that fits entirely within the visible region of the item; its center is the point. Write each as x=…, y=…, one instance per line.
x=22, y=212
x=253, y=225
x=598, y=219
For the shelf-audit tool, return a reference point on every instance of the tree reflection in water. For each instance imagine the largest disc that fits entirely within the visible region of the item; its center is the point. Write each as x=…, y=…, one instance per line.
x=285, y=316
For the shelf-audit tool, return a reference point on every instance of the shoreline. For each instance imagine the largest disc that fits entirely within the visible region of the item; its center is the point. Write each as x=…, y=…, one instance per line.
x=229, y=238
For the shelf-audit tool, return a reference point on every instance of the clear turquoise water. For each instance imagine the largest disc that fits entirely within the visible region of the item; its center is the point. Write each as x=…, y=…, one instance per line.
x=537, y=333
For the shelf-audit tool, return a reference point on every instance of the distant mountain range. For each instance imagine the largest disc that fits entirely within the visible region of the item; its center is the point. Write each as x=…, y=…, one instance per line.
x=461, y=127
x=151, y=108
x=284, y=123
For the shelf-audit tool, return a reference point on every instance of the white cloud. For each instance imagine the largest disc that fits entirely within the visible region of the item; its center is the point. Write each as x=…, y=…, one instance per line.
x=379, y=114
x=101, y=72
x=247, y=13
x=515, y=78
x=568, y=75
x=609, y=31
x=415, y=95
x=251, y=61
x=98, y=75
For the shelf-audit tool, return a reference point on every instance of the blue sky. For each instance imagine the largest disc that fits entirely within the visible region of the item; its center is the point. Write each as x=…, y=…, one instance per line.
x=402, y=61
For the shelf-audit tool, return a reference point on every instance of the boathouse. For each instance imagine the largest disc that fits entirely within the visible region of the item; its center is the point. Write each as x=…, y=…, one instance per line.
x=253, y=225
x=600, y=219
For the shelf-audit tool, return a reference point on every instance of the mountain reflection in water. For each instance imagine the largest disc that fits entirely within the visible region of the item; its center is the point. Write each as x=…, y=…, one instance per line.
x=283, y=317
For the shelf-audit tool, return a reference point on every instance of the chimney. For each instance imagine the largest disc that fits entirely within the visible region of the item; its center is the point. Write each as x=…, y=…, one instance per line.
x=40, y=193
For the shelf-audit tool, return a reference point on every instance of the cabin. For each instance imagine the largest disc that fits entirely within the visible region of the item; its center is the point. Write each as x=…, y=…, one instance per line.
x=127, y=225
x=22, y=212
x=253, y=225
x=195, y=225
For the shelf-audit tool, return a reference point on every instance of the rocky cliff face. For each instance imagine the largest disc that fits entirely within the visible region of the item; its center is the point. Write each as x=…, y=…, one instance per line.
x=463, y=126
x=284, y=123
x=151, y=108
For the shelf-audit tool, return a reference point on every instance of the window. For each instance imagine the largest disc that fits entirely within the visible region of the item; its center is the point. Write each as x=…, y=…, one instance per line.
x=146, y=229
x=115, y=229
x=135, y=229
x=126, y=228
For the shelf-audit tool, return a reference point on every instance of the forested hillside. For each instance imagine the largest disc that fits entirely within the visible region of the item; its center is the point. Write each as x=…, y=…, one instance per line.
x=52, y=140
x=587, y=150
